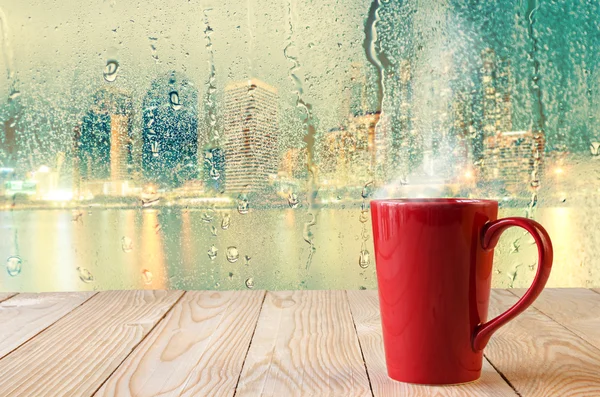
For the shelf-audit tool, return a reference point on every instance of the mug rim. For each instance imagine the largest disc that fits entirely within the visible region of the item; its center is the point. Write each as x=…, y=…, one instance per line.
x=434, y=201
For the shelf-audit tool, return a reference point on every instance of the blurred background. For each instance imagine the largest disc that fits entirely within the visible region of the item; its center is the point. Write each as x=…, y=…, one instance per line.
x=237, y=144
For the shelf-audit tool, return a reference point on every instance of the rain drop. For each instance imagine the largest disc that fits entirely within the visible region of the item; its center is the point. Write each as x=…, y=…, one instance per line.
x=174, y=99
x=110, y=70
x=364, y=216
x=225, y=222
x=213, y=230
x=212, y=252
x=293, y=200
x=147, y=276
x=247, y=260
x=127, y=244
x=76, y=215
x=232, y=254
x=85, y=275
x=214, y=173
x=14, y=95
x=364, y=260
x=243, y=205
x=367, y=190
x=250, y=283
x=230, y=276
x=362, y=288
x=207, y=216
x=13, y=265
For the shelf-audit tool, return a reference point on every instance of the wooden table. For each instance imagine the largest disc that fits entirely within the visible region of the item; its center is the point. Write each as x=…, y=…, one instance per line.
x=250, y=343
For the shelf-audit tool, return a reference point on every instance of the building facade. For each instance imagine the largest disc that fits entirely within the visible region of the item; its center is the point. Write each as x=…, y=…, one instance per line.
x=170, y=132
x=105, y=143
x=251, y=135
x=512, y=157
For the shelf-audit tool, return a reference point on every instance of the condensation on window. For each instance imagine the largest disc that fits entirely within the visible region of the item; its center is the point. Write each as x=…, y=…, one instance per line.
x=236, y=145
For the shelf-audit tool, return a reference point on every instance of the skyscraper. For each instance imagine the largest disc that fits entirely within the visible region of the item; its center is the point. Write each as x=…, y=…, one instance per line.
x=105, y=142
x=170, y=131
x=251, y=133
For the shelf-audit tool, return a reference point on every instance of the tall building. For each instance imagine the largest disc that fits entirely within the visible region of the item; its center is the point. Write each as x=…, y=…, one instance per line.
x=105, y=142
x=251, y=134
x=170, y=131
x=512, y=157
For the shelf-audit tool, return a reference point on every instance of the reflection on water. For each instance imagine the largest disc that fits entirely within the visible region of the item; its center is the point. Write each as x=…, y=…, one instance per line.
x=167, y=248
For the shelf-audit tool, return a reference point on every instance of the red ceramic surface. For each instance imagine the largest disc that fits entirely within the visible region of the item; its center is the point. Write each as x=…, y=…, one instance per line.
x=434, y=272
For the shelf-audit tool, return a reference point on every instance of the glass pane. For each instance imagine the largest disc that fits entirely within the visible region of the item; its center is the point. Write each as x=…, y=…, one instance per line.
x=225, y=145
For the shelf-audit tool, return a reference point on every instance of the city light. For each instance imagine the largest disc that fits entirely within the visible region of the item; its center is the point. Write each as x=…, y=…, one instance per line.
x=59, y=195
x=44, y=169
x=558, y=171
x=468, y=174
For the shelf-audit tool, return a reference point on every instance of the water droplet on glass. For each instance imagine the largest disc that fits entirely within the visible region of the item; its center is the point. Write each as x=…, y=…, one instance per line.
x=232, y=254
x=149, y=200
x=213, y=230
x=127, y=244
x=147, y=276
x=243, y=205
x=76, y=215
x=293, y=200
x=207, y=216
x=174, y=99
x=247, y=260
x=595, y=149
x=364, y=216
x=250, y=283
x=110, y=70
x=13, y=265
x=514, y=247
x=217, y=285
x=362, y=288
x=230, y=275
x=225, y=222
x=367, y=190
x=85, y=275
x=14, y=94
x=364, y=260
x=214, y=173
x=212, y=252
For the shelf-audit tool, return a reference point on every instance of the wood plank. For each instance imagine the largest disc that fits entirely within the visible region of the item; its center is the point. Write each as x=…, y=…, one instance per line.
x=365, y=311
x=578, y=309
x=304, y=345
x=6, y=295
x=540, y=357
x=78, y=353
x=26, y=315
x=198, y=349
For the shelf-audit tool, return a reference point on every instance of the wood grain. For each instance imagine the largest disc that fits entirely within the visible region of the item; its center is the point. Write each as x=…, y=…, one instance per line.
x=6, y=295
x=304, y=345
x=76, y=354
x=365, y=311
x=198, y=349
x=578, y=309
x=540, y=357
x=26, y=315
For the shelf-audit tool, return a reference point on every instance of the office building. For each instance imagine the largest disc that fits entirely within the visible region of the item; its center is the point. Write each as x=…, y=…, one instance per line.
x=251, y=134
x=511, y=157
x=105, y=143
x=170, y=132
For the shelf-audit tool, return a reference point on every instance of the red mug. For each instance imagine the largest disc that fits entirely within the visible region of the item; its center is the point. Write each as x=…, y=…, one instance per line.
x=434, y=273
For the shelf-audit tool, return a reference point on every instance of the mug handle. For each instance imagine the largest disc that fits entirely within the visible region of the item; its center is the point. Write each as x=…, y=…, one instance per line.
x=489, y=238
